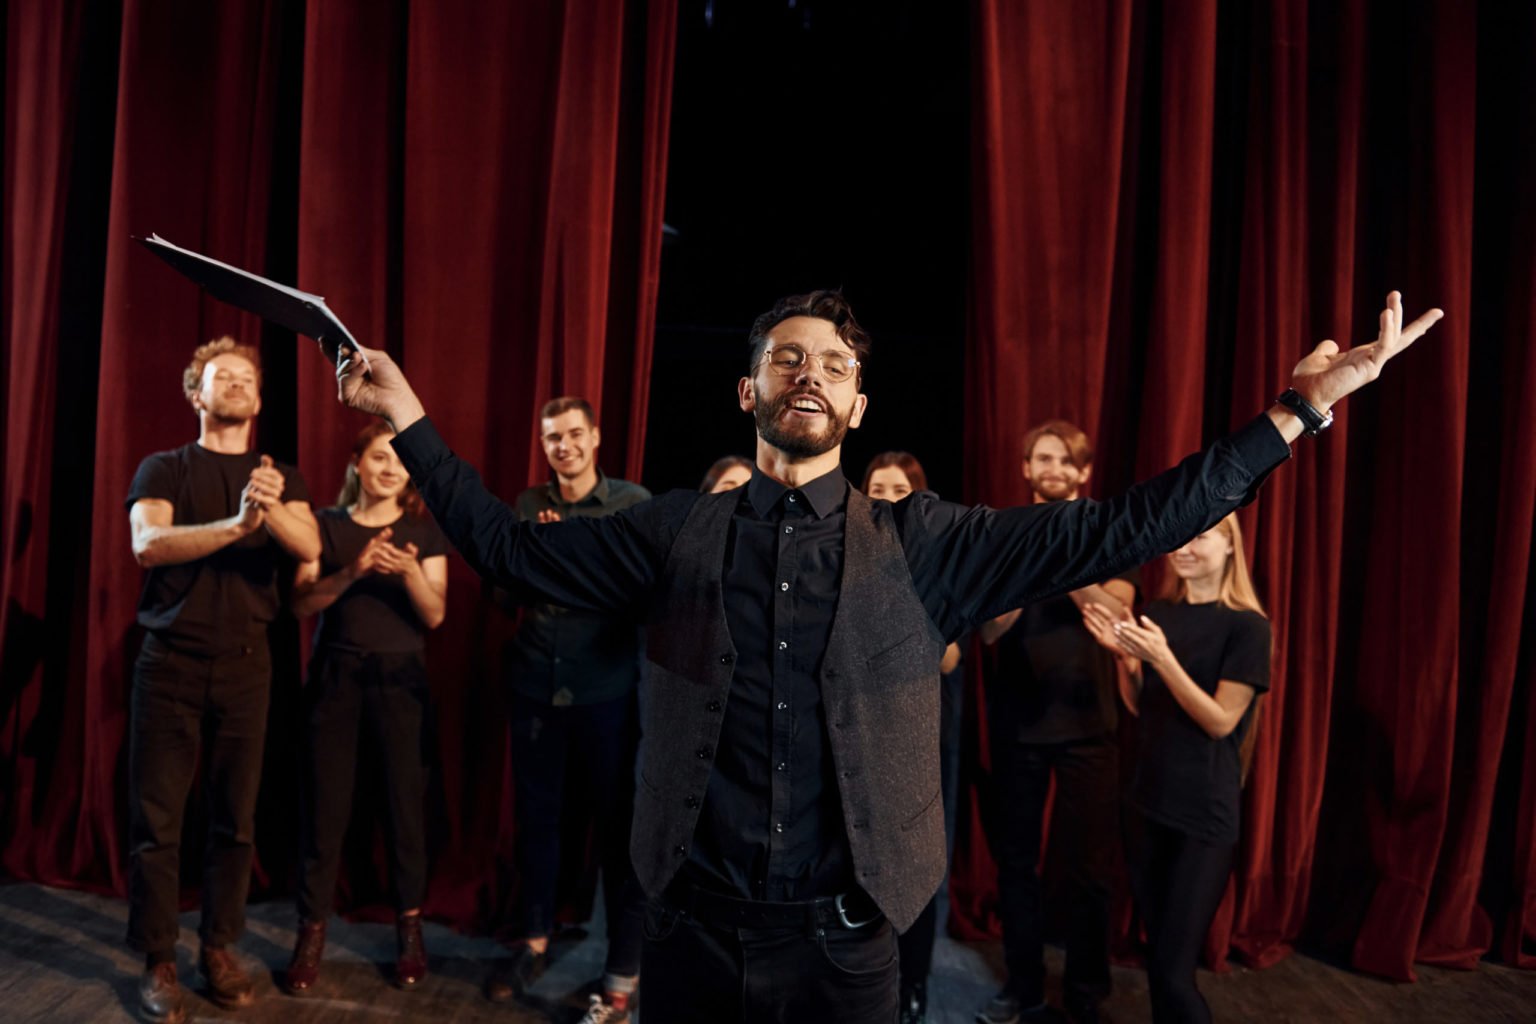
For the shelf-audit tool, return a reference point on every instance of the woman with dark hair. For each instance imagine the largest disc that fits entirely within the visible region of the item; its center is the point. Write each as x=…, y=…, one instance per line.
x=1198, y=663
x=726, y=474
x=379, y=585
x=892, y=476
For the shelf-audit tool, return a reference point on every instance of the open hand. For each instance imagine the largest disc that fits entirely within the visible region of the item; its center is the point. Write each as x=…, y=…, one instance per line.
x=373, y=383
x=1101, y=625
x=1144, y=639
x=1327, y=375
x=393, y=561
x=266, y=484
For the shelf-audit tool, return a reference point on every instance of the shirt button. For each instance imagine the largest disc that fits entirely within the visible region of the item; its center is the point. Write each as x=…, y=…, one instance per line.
x=783, y=705
x=789, y=529
x=779, y=827
x=703, y=752
x=783, y=645
x=783, y=586
x=713, y=705
x=783, y=766
x=791, y=498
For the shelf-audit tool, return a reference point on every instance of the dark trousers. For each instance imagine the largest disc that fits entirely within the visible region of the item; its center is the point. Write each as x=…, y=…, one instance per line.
x=1085, y=824
x=695, y=972
x=598, y=743
x=1178, y=882
x=183, y=708
x=916, y=943
x=348, y=692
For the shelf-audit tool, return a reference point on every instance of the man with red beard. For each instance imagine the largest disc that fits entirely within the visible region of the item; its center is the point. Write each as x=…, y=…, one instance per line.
x=212, y=521
x=788, y=820
x=1051, y=710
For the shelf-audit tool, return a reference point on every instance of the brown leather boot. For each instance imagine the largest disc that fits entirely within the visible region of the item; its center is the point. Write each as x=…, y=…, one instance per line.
x=304, y=969
x=411, y=963
x=160, y=997
x=228, y=984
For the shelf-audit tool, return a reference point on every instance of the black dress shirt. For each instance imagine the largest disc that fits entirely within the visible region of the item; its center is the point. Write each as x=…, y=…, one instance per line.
x=772, y=832
x=562, y=657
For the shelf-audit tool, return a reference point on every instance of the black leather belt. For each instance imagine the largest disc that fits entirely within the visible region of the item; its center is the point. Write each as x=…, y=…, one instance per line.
x=846, y=910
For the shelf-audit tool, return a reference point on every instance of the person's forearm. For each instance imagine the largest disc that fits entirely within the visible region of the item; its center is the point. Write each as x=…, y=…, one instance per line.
x=992, y=629
x=1197, y=704
x=1128, y=678
x=297, y=536
x=172, y=545
x=318, y=595
x=429, y=602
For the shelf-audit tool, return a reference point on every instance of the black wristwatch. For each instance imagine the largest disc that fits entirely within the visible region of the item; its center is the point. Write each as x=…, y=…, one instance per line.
x=1312, y=421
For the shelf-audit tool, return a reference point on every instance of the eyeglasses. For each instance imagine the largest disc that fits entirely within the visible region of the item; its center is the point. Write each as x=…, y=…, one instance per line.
x=788, y=360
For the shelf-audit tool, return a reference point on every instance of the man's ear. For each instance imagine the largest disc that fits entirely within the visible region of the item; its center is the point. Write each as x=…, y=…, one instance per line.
x=745, y=396
x=1087, y=471
x=855, y=417
x=1024, y=468
x=597, y=436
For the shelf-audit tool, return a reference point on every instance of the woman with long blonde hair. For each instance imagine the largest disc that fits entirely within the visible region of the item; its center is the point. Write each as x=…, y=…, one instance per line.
x=1198, y=661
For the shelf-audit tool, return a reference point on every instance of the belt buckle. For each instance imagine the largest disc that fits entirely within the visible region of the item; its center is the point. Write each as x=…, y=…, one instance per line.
x=842, y=914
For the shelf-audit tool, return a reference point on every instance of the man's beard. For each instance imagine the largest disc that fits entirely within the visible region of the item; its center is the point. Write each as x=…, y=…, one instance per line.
x=232, y=410
x=799, y=444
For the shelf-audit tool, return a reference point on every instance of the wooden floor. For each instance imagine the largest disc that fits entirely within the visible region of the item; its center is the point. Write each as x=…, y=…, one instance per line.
x=62, y=959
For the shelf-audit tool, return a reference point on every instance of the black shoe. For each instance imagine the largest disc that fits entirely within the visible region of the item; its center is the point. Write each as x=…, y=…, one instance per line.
x=228, y=984
x=512, y=981
x=914, y=1003
x=160, y=998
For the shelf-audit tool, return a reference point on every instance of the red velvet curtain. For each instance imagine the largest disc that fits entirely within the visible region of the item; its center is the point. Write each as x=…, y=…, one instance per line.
x=1174, y=202
x=476, y=187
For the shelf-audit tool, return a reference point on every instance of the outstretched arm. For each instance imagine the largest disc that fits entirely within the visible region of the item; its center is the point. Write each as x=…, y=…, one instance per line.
x=592, y=564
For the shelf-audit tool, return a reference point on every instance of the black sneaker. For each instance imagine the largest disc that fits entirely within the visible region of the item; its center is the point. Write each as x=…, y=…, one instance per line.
x=914, y=1003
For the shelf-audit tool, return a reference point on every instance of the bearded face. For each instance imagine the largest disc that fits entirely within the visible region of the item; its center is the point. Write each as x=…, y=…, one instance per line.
x=799, y=422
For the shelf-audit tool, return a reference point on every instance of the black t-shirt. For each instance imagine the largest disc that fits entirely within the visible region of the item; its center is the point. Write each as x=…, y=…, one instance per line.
x=220, y=603
x=1054, y=682
x=1184, y=778
x=375, y=613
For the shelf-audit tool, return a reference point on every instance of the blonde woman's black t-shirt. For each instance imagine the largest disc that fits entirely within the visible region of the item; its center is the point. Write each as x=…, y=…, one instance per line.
x=1184, y=778
x=374, y=614
x=222, y=602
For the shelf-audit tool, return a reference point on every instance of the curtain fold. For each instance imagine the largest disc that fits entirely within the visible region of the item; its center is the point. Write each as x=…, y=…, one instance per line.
x=1282, y=171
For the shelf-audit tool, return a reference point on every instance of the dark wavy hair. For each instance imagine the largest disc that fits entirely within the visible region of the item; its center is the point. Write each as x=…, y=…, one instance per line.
x=826, y=304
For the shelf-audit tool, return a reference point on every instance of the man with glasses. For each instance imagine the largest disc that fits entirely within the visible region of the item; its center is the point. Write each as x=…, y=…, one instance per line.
x=788, y=820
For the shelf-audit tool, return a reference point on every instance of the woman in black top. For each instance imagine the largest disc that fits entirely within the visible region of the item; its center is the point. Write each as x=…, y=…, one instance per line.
x=378, y=585
x=1198, y=662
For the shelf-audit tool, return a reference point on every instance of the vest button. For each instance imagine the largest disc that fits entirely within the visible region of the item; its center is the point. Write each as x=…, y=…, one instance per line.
x=713, y=705
x=725, y=659
x=691, y=802
x=681, y=851
x=703, y=752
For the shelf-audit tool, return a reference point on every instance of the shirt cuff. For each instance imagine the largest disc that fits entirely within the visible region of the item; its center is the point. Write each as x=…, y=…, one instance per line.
x=1261, y=445
x=421, y=448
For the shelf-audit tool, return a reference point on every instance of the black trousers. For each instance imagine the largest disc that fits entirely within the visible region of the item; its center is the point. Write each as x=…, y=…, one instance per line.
x=1085, y=820
x=184, y=708
x=1178, y=882
x=699, y=974
x=597, y=742
x=348, y=692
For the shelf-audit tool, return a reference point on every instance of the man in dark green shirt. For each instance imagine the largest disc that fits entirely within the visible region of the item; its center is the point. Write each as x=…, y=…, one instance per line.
x=573, y=677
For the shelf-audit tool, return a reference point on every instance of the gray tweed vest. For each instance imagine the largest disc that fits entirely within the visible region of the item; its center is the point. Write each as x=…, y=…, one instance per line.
x=879, y=685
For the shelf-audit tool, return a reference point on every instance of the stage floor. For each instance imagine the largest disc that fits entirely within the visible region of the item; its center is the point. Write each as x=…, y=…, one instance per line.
x=62, y=959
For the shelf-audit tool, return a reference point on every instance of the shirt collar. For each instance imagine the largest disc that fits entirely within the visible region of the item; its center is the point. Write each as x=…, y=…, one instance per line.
x=598, y=495
x=825, y=495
